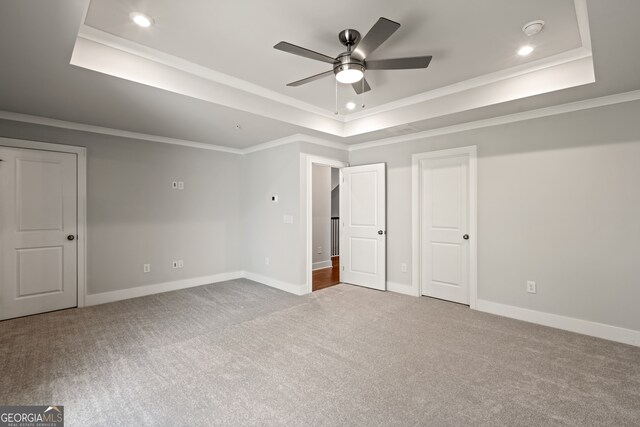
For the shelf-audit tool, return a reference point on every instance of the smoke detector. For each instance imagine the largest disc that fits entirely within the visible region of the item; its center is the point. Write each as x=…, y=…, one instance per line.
x=532, y=28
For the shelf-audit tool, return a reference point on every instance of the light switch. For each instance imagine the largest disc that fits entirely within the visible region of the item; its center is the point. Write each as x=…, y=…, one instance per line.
x=274, y=199
x=288, y=219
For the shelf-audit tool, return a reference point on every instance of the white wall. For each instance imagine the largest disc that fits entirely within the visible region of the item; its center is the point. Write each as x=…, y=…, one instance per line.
x=558, y=203
x=321, y=214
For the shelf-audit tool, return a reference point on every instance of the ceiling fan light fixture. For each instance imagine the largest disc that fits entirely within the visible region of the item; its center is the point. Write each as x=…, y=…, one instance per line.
x=141, y=19
x=349, y=73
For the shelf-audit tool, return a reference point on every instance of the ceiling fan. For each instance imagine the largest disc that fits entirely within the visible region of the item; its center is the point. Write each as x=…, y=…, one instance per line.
x=349, y=66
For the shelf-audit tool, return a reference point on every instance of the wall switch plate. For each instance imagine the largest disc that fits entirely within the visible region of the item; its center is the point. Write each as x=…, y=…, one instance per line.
x=531, y=286
x=288, y=219
x=180, y=185
x=147, y=268
x=174, y=264
x=274, y=199
x=403, y=267
x=174, y=185
x=266, y=261
x=180, y=263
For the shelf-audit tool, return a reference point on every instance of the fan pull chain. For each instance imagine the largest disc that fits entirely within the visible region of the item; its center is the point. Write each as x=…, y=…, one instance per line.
x=362, y=92
x=336, y=112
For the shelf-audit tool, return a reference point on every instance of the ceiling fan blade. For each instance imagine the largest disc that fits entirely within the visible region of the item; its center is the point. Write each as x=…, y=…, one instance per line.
x=357, y=86
x=310, y=79
x=398, y=63
x=301, y=51
x=377, y=35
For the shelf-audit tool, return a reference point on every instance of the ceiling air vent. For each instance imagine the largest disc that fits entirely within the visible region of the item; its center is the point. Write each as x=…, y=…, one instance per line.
x=403, y=129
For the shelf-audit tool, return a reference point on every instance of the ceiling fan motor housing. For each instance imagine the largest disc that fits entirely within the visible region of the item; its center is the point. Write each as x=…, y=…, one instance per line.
x=346, y=62
x=349, y=38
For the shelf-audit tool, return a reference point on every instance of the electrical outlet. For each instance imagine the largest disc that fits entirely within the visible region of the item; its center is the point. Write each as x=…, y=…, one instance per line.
x=147, y=268
x=180, y=263
x=174, y=185
x=531, y=286
x=403, y=267
x=174, y=264
x=319, y=249
x=266, y=261
x=180, y=185
x=287, y=219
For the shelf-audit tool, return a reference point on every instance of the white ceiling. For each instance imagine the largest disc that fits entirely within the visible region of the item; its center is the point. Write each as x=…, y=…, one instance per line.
x=467, y=39
x=36, y=78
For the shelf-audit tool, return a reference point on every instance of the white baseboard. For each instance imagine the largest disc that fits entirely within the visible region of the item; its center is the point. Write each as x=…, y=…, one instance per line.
x=278, y=284
x=322, y=264
x=585, y=327
x=140, y=291
x=402, y=289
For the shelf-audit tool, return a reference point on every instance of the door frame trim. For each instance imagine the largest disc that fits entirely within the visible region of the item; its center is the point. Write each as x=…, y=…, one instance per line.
x=81, y=182
x=416, y=199
x=308, y=163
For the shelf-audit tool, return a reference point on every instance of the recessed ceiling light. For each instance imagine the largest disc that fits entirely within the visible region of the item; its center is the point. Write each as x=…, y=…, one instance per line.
x=525, y=50
x=141, y=19
x=351, y=105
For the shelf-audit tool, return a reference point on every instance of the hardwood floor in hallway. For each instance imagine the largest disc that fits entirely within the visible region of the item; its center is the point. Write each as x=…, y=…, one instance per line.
x=326, y=277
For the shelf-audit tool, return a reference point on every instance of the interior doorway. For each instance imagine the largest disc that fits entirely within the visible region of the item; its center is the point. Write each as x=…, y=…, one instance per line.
x=42, y=227
x=325, y=207
x=358, y=253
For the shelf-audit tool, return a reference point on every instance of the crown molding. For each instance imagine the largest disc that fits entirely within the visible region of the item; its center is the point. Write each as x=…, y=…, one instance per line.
x=506, y=119
x=582, y=16
x=63, y=124
x=296, y=138
x=476, y=82
x=94, y=54
x=137, y=49
x=101, y=37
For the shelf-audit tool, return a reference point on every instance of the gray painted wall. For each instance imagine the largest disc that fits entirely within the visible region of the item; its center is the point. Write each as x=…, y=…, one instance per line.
x=335, y=192
x=558, y=203
x=134, y=217
x=321, y=208
x=277, y=171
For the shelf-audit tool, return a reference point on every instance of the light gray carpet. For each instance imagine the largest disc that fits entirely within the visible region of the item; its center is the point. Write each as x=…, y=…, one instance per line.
x=239, y=353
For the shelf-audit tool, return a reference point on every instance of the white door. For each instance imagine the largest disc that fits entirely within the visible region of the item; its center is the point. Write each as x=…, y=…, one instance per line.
x=38, y=244
x=363, y=225
x=445, y=228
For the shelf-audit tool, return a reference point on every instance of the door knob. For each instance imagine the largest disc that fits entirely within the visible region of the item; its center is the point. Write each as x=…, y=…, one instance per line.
x=380, y=232
x=465, y=237
x=71, y=237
